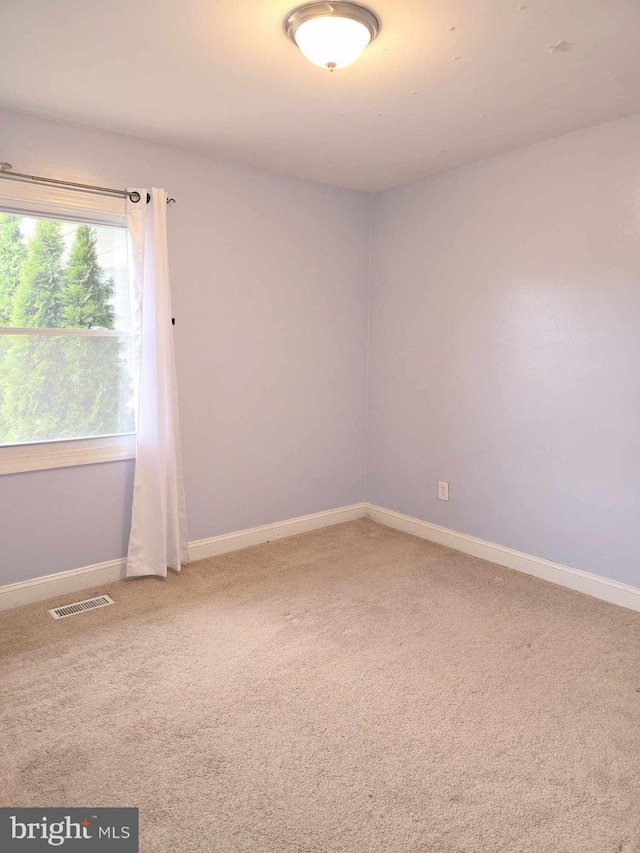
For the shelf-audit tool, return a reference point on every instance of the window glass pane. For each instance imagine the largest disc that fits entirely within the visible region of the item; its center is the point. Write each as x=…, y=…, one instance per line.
x=62, y=274
x=55, y=387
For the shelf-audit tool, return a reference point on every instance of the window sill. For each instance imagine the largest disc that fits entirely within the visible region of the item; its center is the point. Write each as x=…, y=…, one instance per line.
x=19, y=458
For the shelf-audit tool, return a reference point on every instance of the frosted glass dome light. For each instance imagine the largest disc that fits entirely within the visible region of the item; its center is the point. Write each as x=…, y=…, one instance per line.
x=332, y=42
x=331, y=35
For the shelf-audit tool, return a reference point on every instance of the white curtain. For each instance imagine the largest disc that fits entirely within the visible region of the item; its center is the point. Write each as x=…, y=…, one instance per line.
x=158, y=537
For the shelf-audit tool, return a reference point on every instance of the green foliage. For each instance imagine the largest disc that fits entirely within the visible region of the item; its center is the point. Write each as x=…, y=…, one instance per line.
x=36, y=301
x=55, y=386
x=12, y=255
x=84, y=296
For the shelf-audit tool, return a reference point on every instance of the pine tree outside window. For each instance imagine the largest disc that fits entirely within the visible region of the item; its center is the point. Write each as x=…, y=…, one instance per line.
x=66, y=348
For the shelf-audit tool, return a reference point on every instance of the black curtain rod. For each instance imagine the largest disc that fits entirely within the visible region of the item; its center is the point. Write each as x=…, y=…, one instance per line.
x=6, y=173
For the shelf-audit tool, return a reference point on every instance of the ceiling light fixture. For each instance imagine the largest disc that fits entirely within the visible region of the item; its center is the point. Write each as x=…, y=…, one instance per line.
x=331, y=35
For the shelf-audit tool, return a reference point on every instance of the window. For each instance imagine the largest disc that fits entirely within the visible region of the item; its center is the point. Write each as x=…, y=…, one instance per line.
x=66, y=347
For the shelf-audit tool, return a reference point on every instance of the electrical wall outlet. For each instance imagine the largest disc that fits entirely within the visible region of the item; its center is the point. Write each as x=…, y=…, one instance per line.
x=443, y=491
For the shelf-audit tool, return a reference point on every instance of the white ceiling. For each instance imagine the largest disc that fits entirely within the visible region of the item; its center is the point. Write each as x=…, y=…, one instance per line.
x=222, y=79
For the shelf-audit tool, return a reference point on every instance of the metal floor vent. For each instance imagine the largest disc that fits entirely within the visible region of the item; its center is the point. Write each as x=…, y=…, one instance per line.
x=79, y=606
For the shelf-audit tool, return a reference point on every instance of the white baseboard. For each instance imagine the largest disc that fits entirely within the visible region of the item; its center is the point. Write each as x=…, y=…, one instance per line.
x=61, y=583
x=585, y=582
x=202, y=548
x=40, y=589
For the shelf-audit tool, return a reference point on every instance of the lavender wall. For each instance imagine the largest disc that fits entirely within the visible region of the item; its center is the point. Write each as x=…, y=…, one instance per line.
x=505, y=350
x=269, y=278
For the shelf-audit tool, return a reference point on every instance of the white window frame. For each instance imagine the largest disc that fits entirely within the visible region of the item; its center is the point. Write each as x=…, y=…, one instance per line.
x=25, y=199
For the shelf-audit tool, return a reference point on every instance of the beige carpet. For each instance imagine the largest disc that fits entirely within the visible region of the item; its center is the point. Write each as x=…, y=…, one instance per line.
x=351, y=689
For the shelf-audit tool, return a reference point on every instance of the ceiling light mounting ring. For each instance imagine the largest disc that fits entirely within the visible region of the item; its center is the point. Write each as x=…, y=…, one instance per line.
x=309, y=11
